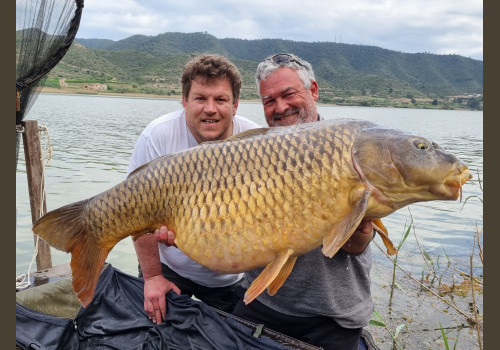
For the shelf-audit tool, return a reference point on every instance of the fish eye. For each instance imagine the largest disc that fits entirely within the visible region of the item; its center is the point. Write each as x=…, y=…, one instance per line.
x=421, y=144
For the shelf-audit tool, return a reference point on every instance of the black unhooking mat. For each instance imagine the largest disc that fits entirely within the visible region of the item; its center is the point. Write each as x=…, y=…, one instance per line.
x=115, y=319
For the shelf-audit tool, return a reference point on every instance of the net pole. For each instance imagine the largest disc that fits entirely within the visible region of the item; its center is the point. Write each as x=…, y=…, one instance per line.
x=36, y=186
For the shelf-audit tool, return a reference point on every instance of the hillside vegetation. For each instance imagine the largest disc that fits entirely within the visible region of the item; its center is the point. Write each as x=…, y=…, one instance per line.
x=347, y=74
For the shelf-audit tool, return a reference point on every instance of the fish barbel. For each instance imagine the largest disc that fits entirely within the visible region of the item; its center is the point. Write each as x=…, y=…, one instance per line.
x=262, y=197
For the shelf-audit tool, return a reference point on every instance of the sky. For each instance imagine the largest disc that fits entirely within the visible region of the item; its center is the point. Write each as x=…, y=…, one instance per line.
x=432, y=26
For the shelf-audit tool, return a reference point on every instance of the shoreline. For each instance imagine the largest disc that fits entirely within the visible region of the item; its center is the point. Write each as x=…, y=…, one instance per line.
x=69, y=91
x=391, y=103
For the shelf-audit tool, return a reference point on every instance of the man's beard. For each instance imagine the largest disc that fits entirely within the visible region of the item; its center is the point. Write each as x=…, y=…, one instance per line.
x=302, y=115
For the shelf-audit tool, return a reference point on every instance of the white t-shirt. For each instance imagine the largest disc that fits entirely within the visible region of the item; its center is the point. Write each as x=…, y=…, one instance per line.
x=168, y=134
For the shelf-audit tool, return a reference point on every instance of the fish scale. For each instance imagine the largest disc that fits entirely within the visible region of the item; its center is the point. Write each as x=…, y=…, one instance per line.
x=259, y=198
x=254, y=200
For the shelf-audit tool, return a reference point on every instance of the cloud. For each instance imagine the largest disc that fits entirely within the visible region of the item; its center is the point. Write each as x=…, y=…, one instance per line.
x=440, y=27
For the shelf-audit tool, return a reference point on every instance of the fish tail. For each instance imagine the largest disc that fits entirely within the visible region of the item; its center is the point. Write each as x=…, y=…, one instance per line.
x=65, y=230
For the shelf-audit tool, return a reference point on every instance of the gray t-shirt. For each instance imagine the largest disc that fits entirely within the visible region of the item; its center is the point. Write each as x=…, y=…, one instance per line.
x=337, y=287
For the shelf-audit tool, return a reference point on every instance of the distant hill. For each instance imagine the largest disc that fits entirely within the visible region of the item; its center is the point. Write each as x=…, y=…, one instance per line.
x=96, y=43
x=153, y=64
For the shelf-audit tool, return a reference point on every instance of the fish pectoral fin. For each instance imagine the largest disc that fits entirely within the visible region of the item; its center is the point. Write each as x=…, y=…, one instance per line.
x=341, y=232
x=379, y=227
x=272, y=272
x=282, y=276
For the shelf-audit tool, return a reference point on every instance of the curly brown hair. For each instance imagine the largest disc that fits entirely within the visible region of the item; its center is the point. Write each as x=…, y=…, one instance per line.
x=208, y=68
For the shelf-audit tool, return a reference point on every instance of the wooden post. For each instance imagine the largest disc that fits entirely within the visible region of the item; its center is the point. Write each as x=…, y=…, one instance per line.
x=36, y=186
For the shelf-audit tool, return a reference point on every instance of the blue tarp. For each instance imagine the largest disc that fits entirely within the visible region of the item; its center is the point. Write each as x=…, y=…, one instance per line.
x=115, y=319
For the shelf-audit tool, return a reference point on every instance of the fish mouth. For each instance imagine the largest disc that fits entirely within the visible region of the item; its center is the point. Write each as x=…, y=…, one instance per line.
x=451, y=188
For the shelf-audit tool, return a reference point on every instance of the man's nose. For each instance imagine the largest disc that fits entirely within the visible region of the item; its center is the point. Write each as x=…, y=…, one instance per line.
x=281, y=105
x=210, y=106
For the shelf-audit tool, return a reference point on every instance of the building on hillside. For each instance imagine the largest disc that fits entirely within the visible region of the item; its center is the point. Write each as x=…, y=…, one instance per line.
x=97, y=86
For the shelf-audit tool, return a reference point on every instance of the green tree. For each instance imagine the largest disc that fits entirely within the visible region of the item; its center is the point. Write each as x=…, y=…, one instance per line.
x=473, y=103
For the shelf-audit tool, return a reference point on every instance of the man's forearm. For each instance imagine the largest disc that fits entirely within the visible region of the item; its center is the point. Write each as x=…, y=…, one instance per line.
x=146, y=248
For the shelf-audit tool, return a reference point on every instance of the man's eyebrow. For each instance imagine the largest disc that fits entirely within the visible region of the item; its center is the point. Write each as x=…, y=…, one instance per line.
x=281, y=92
x=225, y=95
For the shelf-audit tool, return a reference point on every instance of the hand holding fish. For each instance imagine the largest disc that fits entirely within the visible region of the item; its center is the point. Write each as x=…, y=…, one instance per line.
x=165, y=236
x=360, y=238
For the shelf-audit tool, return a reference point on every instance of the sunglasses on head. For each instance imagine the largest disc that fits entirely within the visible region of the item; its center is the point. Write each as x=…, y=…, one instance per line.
x=284, y=58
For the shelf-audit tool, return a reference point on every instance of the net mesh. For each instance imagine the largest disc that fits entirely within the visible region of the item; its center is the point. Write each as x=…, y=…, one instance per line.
x=45, y=30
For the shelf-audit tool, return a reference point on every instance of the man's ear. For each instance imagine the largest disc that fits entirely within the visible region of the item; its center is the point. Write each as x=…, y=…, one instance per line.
x=235, y=105
x=314, y=90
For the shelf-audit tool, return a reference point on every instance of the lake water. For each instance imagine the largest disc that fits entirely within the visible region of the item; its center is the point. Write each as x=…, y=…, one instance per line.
x=92, y=138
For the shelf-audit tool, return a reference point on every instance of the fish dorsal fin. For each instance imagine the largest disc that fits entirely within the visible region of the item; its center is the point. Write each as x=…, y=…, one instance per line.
x=382, y=231
x=341, y=232
x=248, y=133
x=136, y=170
x=139, y=168
x=240, y=136
x=278, y=270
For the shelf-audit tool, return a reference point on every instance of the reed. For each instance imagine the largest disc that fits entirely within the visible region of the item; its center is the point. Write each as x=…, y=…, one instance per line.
x=460, y=298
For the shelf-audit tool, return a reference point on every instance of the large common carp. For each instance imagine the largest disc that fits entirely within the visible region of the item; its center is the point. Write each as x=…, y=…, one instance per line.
x=259, y=198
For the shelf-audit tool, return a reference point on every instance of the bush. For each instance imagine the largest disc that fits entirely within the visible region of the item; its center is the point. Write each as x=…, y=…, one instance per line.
x=52, y=83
